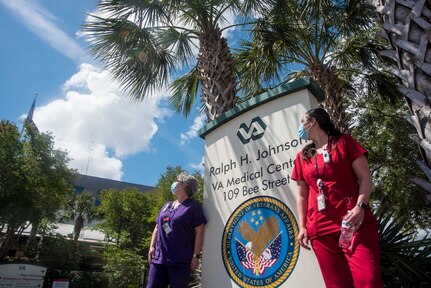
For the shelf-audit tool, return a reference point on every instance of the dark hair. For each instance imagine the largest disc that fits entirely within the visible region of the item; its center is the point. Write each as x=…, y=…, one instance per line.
x=324, y=121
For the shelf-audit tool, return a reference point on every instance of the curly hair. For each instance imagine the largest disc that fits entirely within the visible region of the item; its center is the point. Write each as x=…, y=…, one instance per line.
x=190, y=182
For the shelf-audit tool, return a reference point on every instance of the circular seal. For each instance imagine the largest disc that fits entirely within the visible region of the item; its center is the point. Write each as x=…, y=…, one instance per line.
x=259, y=244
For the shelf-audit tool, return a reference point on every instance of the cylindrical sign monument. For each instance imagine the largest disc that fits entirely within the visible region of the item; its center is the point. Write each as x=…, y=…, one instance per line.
x=249, y=197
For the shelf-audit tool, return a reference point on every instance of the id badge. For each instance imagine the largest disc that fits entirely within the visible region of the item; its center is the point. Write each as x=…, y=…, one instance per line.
x=321, y=202
x=166, y=228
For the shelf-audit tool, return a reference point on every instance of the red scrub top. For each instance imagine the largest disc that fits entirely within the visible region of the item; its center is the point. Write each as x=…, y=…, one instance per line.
x=340, y=184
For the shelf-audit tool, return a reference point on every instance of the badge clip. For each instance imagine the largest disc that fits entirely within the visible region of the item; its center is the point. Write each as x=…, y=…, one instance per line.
x=320, y=184
x=326, y=157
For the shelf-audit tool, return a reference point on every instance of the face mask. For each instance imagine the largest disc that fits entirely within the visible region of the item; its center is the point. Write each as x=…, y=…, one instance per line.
x=303, y=134
x=173, y=187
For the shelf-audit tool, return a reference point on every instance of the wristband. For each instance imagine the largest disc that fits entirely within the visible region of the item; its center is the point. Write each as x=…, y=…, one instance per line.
x=363, y=205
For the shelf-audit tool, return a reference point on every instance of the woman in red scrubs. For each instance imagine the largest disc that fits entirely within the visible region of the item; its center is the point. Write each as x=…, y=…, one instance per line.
x=333, y=178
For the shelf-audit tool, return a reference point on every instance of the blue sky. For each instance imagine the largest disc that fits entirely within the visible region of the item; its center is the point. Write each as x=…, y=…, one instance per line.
x=44, y=52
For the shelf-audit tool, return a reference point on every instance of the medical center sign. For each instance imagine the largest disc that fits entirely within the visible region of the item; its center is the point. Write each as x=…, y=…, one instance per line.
x=250, y=199
x=245, y=161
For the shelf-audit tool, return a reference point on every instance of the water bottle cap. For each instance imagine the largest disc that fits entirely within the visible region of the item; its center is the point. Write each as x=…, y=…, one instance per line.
x=344, y=224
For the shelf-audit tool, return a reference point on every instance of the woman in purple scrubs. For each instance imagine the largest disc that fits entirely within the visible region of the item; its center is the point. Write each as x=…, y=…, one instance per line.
x=177, y=238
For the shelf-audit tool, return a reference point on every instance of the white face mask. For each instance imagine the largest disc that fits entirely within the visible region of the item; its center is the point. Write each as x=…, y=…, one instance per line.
x=174, y=187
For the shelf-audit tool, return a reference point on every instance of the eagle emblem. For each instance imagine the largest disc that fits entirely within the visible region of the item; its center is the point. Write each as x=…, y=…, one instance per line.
x=263, y=246
x=258, y=246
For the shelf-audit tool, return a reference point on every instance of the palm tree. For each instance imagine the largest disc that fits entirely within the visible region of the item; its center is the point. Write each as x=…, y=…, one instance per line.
x=405, y=257
x=79, y=208
x=329, y=41
x=146, y=43
x=319, y=41
x=407, y=27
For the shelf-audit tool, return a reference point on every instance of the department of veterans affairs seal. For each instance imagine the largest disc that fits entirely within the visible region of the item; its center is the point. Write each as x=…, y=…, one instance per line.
x=259, y=244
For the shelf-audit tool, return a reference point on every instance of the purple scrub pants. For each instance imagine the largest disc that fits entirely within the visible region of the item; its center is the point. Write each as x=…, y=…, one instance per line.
x=160, y=276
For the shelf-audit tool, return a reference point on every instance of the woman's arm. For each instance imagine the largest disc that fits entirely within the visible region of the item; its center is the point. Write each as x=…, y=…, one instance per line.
x=302, y=206
x=362, y=172
x=199, y=239
x=152, y=244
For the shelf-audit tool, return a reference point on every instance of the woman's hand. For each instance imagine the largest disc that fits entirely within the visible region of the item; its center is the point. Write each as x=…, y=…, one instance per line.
x=355, y=218
x=153, y=244
x=194, y=264
x=302, y=204
x=303, y=239
x=151, y=254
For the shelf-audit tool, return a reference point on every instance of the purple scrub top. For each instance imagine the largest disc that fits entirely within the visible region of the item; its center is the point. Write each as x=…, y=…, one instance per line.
x=176, y=247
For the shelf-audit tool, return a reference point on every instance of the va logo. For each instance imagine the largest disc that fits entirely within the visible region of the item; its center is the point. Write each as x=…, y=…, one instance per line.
x=253, y=132
x=259, y=244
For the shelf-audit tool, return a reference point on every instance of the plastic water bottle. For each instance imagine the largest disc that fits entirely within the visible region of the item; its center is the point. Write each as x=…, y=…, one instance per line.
x=346, y=234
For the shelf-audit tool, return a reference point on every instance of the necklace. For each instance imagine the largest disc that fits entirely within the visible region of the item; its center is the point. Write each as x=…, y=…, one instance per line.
x=176, y=204
x=321, y=205
x=320, y=183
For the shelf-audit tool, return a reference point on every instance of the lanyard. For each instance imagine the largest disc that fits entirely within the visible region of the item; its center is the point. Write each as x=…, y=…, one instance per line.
x=320, y=183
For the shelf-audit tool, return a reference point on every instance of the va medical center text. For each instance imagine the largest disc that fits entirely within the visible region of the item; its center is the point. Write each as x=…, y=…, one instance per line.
x=271, y=173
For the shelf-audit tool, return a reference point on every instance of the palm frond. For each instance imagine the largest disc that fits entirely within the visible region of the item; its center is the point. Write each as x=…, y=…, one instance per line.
x=145, y=13
x=180, y=42
x=406, y=261
x=184, y=91
x=256, y=69
x=133, y=54
x=195, y=279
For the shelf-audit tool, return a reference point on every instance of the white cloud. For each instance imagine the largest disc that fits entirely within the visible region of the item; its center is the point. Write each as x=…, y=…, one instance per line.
x=198, y=166
x=230, y=19
x=41, y=22
x=94, y=122
x=193, y=130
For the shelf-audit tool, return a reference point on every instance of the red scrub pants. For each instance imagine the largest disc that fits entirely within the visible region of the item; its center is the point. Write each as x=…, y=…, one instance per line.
x=358, y=268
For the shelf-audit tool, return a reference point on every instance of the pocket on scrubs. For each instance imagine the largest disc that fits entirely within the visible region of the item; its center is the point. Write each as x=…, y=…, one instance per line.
x=311, y=222
x=184, y=252
x=157, y=251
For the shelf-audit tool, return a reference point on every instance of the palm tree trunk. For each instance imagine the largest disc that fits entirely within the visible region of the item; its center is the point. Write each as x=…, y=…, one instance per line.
x=407, y=27
x=33, y=232
x=335, y=102
x=216, y=70
x=79, y=224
